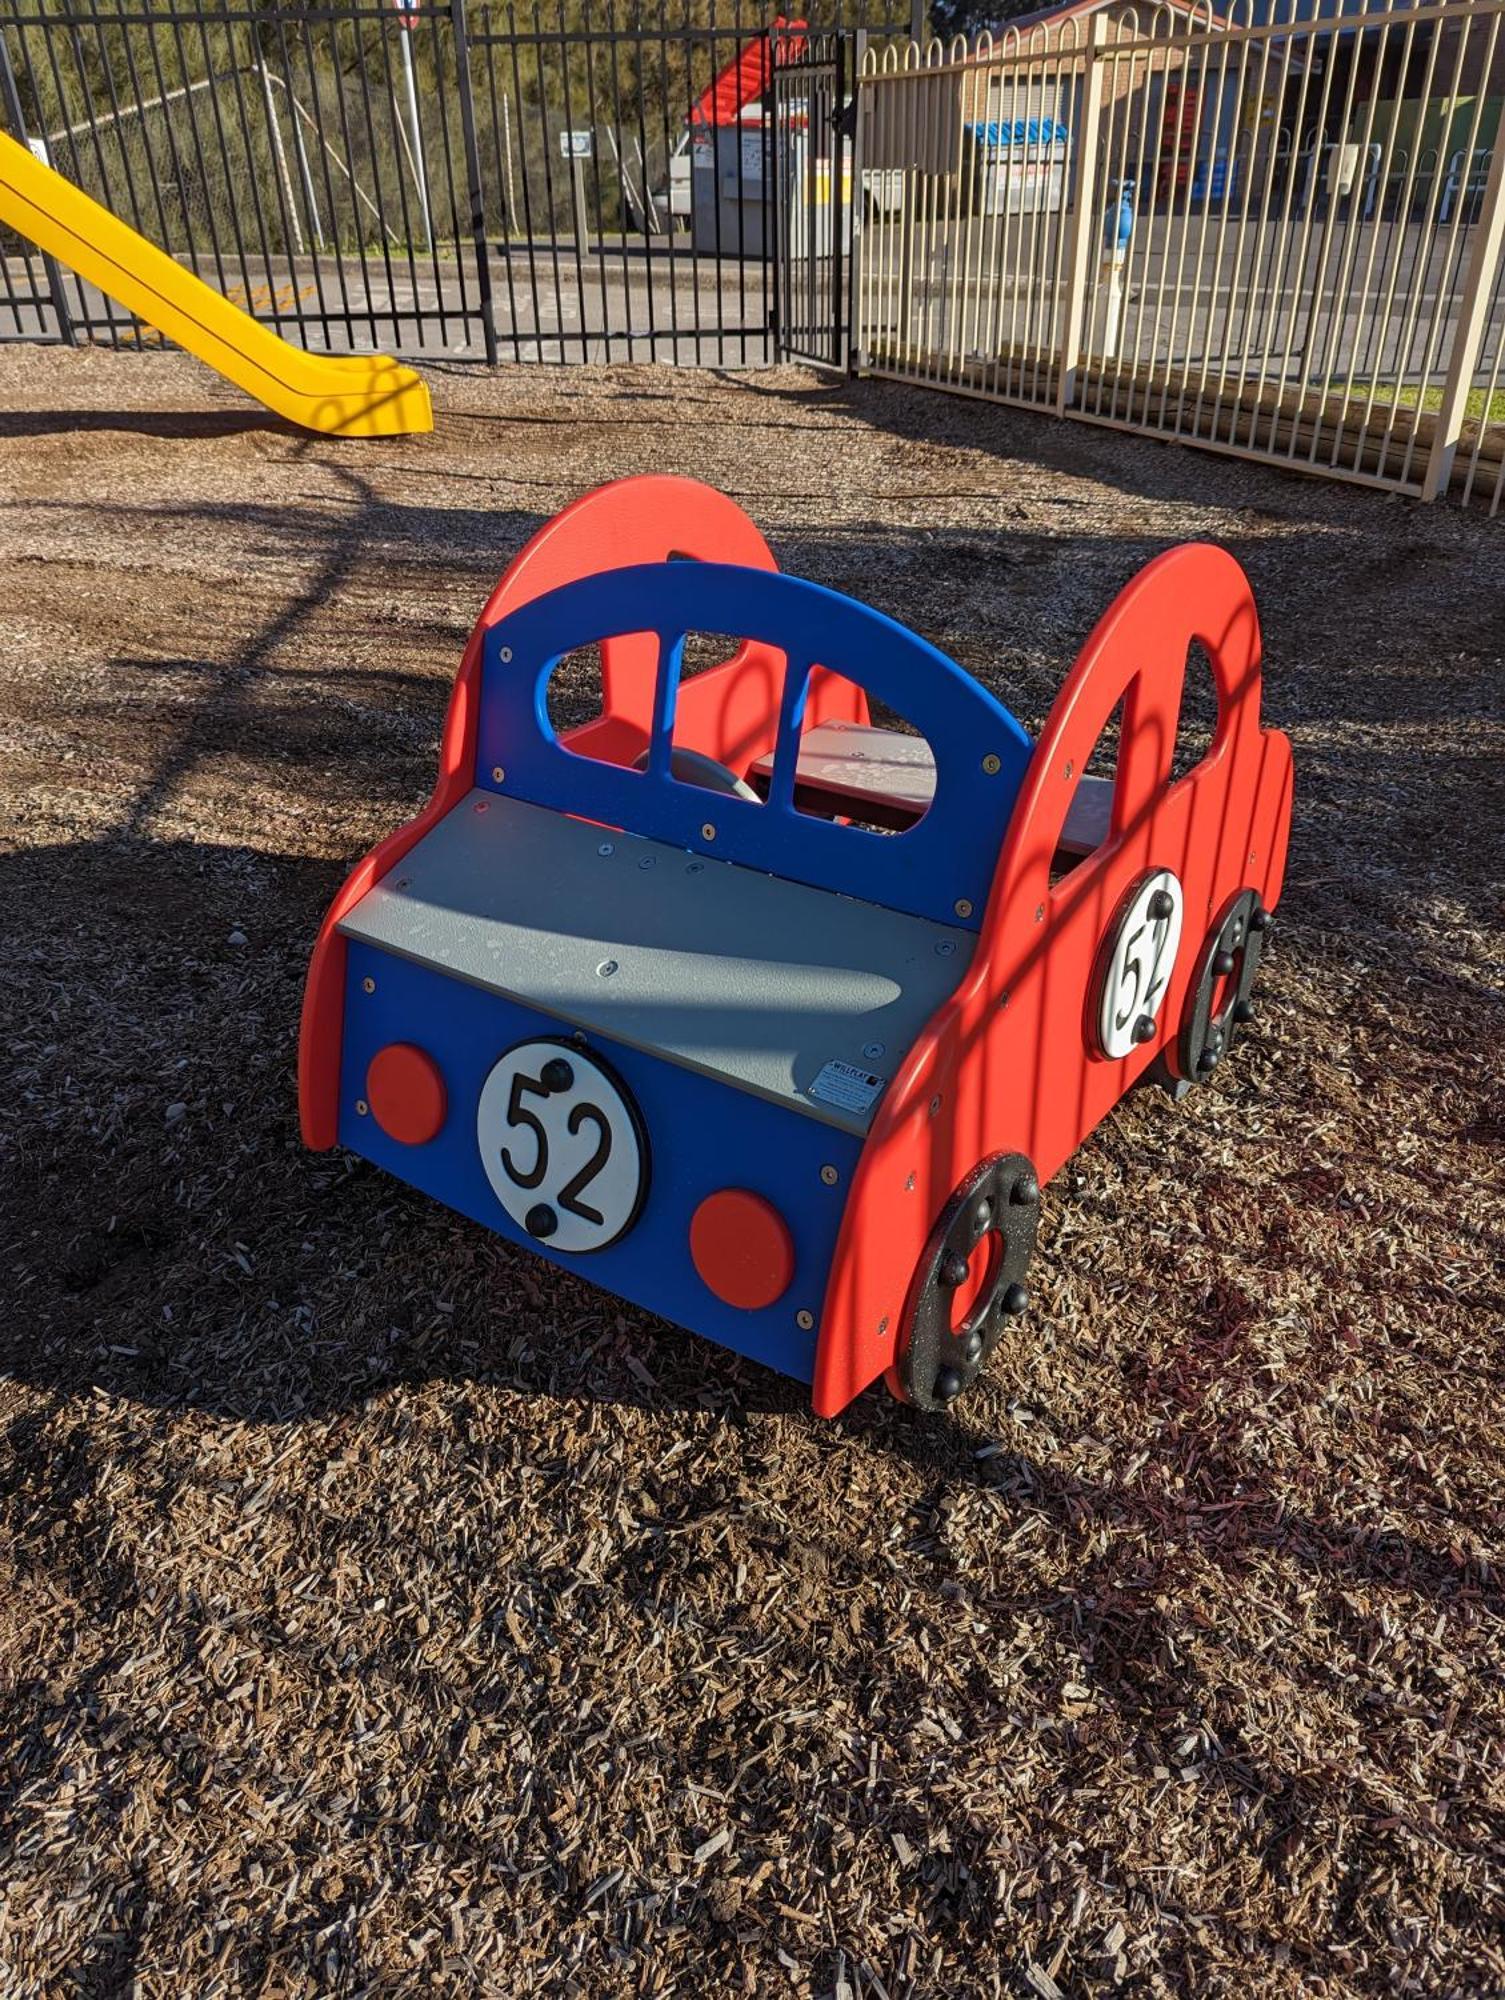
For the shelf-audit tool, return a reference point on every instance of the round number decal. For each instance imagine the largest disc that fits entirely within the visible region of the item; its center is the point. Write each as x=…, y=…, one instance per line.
x=1137, y=969
x=563, y=1146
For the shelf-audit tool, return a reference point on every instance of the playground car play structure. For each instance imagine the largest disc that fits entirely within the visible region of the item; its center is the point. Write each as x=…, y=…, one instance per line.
x=767, y=1019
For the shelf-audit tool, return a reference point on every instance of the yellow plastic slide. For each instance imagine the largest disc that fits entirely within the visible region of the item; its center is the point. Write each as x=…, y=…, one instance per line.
x=362, y=395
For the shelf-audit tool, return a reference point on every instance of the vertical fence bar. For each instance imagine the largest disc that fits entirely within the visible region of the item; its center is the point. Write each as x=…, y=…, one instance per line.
x=1473, y=315
x=474, y=191
x=1083, y=226
x=57, y=297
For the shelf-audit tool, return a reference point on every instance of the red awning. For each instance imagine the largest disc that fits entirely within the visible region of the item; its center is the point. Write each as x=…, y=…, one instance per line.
x=747, y=79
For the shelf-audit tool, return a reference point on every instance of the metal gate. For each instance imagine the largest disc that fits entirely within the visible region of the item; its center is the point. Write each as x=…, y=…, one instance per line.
x=488, y=178
x=818, y=204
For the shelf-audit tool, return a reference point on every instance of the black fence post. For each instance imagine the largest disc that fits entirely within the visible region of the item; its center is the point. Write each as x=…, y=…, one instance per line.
x=59, y=297
x=851, y=359
x=473, y=180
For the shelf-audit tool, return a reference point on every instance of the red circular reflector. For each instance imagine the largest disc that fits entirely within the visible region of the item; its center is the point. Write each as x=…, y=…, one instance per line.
x=742, y=1248
x=406, y=1093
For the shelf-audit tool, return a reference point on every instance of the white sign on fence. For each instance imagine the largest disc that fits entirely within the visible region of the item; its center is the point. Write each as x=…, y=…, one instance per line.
x=577, y=145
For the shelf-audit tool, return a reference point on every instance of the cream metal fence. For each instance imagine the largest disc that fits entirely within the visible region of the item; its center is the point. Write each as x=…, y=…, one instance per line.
x=1280, y=238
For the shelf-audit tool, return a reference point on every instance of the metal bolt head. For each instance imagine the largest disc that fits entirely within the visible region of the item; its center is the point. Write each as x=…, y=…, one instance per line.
x=1207, y=1062
x=1015, y=1298
x=873, y=1050
x=1223, y=963
x=1026, y=1189
x=708, y=832
x=935, y=1105
x=945, y=948
x=1243, y=1012
x=804, y=1320
x=368, y=985
x=1261, y=919
x=948, y=1384
x=606, y=968
x=830, y=1176
x=541, y=1221
x=992, y=764
x=1162, y=904
x=505, y=654
x=556, y=1074
x=606, y=847
x=972, y=1351
x=1144, y=1028
x=361, y=1107
x=962, y=906
x=953, y=1271
x=498, y=774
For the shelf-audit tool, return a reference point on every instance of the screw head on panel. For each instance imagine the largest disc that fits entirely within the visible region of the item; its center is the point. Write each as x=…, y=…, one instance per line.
x=368, y=985
x=708, y=832
x=498, y=774
x=830, y=1176
x=361, y=1107
x=804, y=1320
x=992, y=764
x=963, y=906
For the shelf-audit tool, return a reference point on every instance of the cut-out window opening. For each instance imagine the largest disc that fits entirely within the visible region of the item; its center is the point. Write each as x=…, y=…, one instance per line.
x=722, y=724
x=599, y=698
x=877, y=776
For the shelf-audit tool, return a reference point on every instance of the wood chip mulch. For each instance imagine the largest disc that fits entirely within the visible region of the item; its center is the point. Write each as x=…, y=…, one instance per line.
x=382, y=1613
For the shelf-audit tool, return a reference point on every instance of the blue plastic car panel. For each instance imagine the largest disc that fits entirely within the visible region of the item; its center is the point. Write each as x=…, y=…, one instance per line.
x=701, y=1135
x=940, y=868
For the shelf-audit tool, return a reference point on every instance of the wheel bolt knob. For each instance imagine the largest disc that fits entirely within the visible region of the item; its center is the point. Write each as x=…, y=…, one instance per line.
x=1208, y=1060
x=1162, y=903
x=1025, y=1189
x=556, y=1074
x=1223, y=963
x=948, y=1384
x=953, y=1269
x=541, y=1221
x=1243, y=1011
x=1015, y=1298
x=1261, y=920
x=1144, y=1028
x=973, y=1349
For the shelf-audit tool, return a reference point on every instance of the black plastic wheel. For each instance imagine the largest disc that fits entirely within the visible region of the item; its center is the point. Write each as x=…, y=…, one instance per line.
x=1000, y=1201
x=1231, y=952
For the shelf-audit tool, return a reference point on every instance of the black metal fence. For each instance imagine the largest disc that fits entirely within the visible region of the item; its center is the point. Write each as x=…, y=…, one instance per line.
x=521, y=180
x=817, y=194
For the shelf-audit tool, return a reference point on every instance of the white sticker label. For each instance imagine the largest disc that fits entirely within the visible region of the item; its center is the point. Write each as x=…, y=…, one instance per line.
x=847, y=1087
